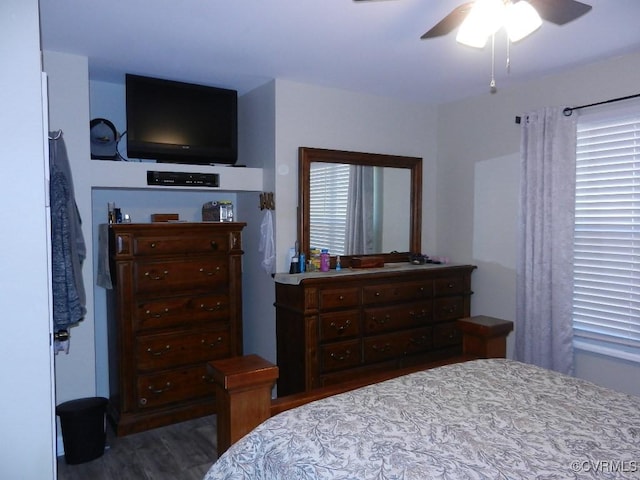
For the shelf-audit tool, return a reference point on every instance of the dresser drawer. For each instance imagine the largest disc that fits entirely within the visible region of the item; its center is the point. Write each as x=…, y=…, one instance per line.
x=383, y=319
x=446, y=335
x=396, y=292
x=178, y=311
x=448, y=308
x=396, y=345
x=339, y=298
x=173, y=386
x=194, y=274
x=340, y=355
x=452, y=285
x=181, y=244
x=339, y=325
x=155, y=352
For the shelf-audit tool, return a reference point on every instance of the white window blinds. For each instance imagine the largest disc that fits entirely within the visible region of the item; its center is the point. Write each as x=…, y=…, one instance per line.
x=606, y=301
x=329, y=193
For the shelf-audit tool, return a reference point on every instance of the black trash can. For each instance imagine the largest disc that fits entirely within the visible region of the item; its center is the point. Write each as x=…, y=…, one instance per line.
x=83, y=428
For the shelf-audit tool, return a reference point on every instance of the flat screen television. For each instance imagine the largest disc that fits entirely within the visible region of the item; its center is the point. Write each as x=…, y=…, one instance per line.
x=176, y=122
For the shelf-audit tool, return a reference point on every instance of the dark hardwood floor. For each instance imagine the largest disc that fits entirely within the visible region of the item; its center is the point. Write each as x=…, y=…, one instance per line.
x=183, y=451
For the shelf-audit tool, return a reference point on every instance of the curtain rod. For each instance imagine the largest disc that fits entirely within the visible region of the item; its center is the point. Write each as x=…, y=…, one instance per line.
x=569, y=110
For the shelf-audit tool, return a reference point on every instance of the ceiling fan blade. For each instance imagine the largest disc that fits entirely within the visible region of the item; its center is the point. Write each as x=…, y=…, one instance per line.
x=560, y=11
x=450, y=22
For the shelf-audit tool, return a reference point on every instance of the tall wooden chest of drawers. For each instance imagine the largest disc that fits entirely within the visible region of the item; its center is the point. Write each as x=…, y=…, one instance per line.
x=176, y=304
x=336, y=327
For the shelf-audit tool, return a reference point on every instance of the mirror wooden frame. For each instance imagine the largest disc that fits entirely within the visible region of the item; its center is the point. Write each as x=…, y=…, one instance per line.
x=307, y=155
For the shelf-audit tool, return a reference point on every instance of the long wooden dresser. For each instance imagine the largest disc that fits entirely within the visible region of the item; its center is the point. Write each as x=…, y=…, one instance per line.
x=176, y=304
x=337, y=326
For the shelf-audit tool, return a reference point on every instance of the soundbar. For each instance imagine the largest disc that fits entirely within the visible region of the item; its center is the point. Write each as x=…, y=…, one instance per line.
x=183, y=179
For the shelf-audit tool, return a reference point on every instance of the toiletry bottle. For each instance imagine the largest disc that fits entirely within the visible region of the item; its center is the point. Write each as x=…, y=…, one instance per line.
x=302, y=263
x=295, y=266
x=324, y=260
x=111, y=212
x=338, y=265
x=314, y=264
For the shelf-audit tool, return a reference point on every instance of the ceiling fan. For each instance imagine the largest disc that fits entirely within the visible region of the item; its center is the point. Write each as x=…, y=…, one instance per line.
x=554, y=11
x=479, y=20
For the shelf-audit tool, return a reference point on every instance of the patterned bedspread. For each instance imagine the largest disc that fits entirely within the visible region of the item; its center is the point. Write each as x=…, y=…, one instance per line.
x=486, y=419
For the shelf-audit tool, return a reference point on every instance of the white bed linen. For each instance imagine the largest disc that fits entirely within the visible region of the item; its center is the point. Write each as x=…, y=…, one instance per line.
x=496, y=419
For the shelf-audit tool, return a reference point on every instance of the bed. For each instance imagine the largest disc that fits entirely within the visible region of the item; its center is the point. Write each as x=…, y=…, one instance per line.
x=493, y=418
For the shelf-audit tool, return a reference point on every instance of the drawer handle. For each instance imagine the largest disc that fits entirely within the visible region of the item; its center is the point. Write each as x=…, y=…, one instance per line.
x=158, y=391
x=450, y=309
x=381, y=321
x=214, y=245
x=420, y=340
x=341, y=328
x=451, y=285
x=341, y=297
x=340, y=357
x=159, y=352
x=219, y=341
x=208, y=379
x=211, y=309
x=155, y=276
x=385, y=348
x=210, y=274
x=157, y=315
x=153, y=244
x=422, y=314
x=377, y=294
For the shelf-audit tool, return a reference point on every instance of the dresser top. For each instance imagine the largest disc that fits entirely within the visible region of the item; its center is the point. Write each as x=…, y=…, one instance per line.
x=389, y=268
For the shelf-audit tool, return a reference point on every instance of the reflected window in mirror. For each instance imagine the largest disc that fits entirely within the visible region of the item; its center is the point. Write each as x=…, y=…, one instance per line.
x=358, y=209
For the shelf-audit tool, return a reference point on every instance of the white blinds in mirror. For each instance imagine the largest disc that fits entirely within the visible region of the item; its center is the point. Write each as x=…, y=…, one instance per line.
x=329, y=193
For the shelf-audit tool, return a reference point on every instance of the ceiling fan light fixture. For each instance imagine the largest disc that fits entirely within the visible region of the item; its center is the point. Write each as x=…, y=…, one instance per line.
x=520, y=20
x=483, y=20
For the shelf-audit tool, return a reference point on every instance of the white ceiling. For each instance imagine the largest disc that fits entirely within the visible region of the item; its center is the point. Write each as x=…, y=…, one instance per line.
x=371, y=47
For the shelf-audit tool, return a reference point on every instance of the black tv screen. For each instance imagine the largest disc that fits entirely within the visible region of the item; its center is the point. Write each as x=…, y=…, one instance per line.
x=176, y=122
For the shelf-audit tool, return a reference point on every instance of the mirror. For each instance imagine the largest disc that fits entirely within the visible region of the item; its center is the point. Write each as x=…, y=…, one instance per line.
x=385, y=195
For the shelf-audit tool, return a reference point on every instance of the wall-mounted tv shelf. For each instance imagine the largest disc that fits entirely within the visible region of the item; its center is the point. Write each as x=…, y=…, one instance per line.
x=133, y=175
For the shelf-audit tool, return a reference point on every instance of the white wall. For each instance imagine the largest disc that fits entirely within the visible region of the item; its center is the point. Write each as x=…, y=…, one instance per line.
x=320, y=117
x=26, y=403
x=84, y=371
x=69, y=112
x=257, y=114
x=478, y=187
x=312, y=116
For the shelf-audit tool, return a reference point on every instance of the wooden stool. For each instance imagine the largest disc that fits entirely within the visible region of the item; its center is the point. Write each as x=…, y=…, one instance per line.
x=485, y=337
x=243, y=395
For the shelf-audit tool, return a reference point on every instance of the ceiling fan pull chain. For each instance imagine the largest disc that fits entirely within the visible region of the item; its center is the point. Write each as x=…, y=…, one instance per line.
x=492, y=84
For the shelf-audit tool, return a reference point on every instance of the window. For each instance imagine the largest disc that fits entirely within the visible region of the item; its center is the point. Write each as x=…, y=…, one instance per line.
x=606, y=299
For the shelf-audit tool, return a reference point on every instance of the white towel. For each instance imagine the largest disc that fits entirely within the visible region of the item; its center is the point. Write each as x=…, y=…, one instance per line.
x=266, y=246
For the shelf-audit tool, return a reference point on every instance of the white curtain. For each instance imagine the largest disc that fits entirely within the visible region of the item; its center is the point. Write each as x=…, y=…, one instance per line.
x=545, y=259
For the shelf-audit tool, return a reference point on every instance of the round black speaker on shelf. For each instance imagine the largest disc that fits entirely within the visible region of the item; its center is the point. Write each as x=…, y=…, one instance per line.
x=103, y=139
